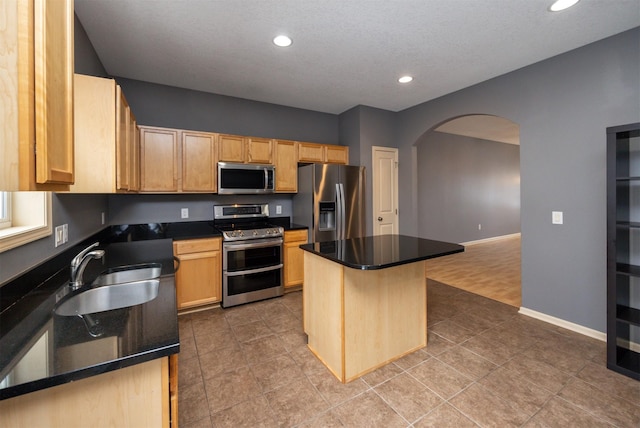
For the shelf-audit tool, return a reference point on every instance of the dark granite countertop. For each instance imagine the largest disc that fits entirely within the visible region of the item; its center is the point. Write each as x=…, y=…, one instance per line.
x=175, y=231
x=62, y=346
x=383, y=251
x=60, y=349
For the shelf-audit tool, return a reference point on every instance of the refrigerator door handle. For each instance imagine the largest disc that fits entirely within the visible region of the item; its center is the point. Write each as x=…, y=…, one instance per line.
x=338, y=217
x=341, y=212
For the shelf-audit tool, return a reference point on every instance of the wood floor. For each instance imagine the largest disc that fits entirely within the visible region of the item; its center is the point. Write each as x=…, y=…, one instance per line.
x=490, y=269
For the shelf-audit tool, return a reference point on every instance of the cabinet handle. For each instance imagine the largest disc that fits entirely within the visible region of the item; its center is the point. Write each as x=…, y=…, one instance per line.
x=176, y=263
x=379, y=218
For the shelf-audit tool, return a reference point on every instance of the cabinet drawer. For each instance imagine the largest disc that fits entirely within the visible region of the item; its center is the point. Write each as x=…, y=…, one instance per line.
x=196, y=245
x=295, y=235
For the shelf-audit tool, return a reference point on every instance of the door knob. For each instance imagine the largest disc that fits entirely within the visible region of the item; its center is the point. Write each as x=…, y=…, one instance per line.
x=379, y=218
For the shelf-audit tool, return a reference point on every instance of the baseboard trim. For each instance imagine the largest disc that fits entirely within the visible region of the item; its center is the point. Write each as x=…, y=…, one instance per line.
x=494, y=238
x=564, y=324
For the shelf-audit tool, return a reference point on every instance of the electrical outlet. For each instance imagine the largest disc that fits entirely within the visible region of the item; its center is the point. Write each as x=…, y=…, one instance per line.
x=65, y=233
x=102, y=218
x=479, y=226
x=184, y=213
x=557, y=217
x=278, y=209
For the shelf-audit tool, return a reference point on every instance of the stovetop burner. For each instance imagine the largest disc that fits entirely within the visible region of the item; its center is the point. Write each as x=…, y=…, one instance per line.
x=240, y=222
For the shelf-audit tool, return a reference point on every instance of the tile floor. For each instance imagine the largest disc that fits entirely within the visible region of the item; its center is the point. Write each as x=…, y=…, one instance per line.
x=485, y=365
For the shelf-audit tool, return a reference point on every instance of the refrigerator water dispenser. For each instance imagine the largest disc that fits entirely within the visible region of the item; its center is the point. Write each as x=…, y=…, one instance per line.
x=327, y=220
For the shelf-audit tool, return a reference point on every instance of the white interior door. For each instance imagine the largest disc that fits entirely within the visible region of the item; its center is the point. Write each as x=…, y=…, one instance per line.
x=385, y=190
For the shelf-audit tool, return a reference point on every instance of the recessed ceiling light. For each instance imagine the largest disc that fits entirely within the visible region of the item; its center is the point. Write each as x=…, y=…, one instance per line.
x=559, y=5
x=282, y=41
x=405, y=79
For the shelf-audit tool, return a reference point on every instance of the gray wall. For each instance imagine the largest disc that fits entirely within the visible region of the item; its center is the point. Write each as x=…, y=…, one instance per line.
x=361, y=128
x=136, y=209
x=83, y=215
x=563, y=106
x=159, y=105
x=85, y=57
x=464, y=182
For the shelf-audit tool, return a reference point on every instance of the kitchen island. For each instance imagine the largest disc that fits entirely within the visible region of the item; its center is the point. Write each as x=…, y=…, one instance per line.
x=365, y=300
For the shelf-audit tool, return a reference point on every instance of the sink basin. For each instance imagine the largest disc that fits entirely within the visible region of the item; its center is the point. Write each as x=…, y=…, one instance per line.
x=129, y=273
x=110, y=297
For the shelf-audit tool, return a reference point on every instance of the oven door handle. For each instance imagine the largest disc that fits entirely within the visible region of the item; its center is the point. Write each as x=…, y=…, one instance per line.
x=233, y=246
x=249, y=272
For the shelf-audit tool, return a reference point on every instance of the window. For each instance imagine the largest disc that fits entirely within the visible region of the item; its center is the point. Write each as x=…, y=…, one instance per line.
x=24, y=217
x=5, y=210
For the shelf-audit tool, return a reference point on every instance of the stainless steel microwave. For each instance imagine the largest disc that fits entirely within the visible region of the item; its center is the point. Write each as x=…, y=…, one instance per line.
x=241, y=178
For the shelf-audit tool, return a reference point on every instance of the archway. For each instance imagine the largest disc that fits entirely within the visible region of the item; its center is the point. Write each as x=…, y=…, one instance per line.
x=468, y=191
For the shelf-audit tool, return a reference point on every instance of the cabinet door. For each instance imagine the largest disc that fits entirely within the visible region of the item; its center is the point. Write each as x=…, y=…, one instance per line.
x=95, y=134
x=231, y=148
x=294, y=257
x=310, y=152
x=158, y=160
x=53, y=61
x=122, y=139
x=259, y=150
x=199, y=279
x=286, y=163
x=134, y=155
x=337, y=154
x=199, y=161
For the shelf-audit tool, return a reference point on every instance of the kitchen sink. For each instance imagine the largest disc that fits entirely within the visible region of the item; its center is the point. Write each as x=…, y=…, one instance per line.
x=129, y=273
x=108, y=297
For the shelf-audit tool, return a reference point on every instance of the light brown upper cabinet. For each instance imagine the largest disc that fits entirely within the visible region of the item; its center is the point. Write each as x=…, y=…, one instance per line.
x=158, y=159
x=106, y=144
x=174, y=160
x=199, y=161
x=231, y=148
x=323, y=153
x=37, y=120
x=239, y=149
x=286, y=163
x=259, y=150
x=127, y=146
x=336, y=154
x=134, y=155
x=310, y=152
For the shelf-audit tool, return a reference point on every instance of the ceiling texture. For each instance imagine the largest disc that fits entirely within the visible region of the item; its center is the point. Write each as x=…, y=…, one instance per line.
x=345, y=52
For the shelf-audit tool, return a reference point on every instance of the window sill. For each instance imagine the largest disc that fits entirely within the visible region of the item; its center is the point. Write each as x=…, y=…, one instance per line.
x=32, y=212
x=12, y=237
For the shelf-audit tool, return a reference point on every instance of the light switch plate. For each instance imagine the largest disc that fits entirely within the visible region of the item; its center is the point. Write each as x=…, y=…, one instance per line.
x=557, y=217
x=59, y=236
x=184, y=213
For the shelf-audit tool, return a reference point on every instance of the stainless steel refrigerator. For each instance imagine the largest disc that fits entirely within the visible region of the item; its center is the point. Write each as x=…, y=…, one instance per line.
x=330, y=201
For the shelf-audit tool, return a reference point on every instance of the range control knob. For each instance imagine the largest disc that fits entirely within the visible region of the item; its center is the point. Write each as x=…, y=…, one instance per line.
x=255, y=233
x=241, y=233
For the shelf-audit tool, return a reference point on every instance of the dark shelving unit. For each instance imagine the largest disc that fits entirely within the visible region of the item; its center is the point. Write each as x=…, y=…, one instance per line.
x=623, y=249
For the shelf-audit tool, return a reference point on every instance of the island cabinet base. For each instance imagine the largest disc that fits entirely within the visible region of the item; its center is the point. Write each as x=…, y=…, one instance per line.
x=135, y=396
x=359, y=320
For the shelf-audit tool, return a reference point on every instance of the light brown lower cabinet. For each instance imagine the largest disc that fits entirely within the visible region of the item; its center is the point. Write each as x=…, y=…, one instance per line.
x=294, y=257
x=135, y=396
x=199, y=272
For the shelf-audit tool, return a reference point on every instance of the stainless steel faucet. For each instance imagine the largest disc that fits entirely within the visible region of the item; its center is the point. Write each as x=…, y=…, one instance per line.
x=79, y=263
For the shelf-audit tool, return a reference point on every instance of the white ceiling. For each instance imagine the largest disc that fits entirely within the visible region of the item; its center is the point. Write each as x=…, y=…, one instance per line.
x=345, y=52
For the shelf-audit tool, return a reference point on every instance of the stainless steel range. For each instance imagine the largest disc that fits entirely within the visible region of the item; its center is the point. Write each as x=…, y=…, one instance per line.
x=252, y=266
